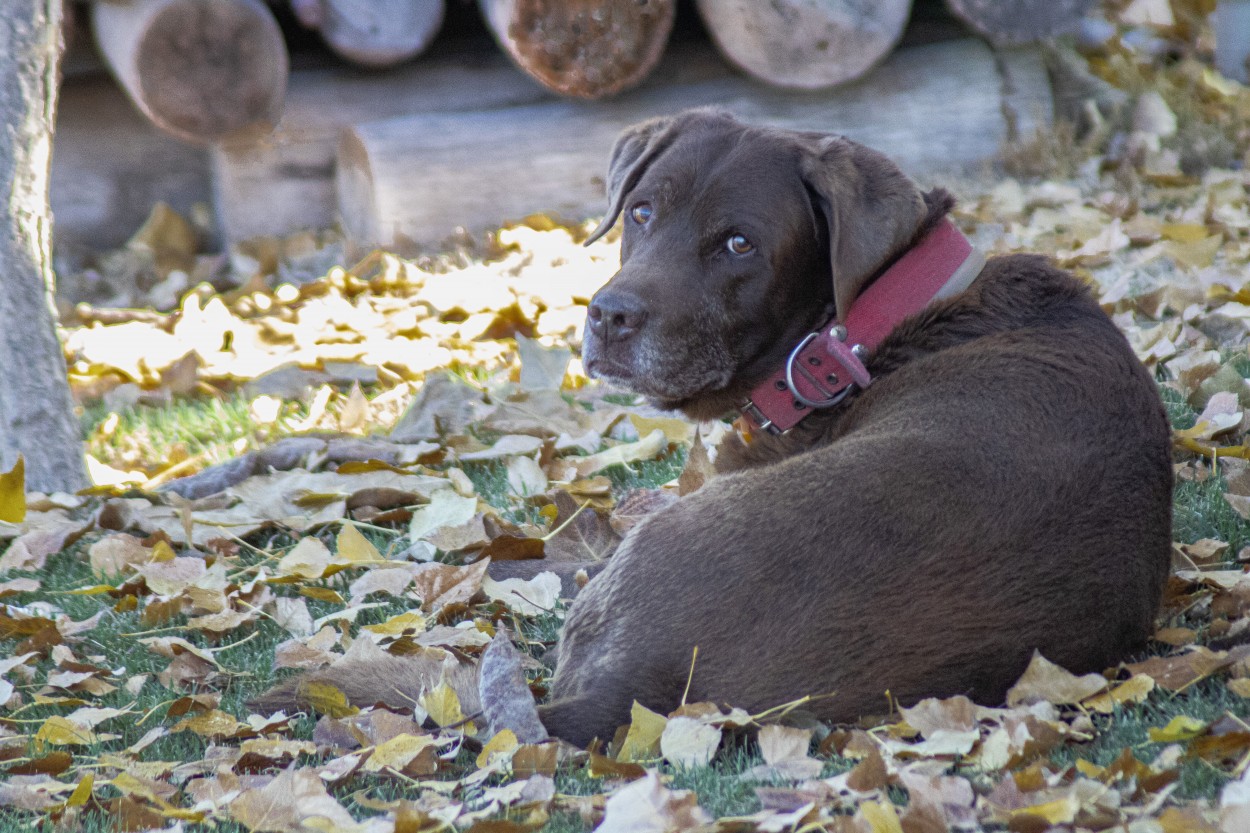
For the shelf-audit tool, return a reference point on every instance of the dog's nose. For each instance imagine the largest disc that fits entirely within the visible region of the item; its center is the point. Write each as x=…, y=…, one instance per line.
x=615, y=315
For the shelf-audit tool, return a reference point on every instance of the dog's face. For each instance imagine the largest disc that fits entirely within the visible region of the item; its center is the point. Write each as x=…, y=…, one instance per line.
x=737, y=241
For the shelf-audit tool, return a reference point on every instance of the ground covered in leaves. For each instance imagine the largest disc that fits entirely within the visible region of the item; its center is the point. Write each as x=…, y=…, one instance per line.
x=364, y=438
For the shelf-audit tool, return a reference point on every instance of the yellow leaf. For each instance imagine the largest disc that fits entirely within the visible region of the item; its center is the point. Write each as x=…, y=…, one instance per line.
x=1240, y=687
x=60, y=731
x=1060, y=811
x=307, y=559
x=675, y=430
x=1179, y=728
x=82, y=792
x=1184, y=232
x=13, y=493
x=1133, y=690
x=504, y=742
x=1196, y=255
x=881, y=817
x=322, y=594
x=642, y=742
x=443, y=706
x=410, y=754
x=326, y=699
x=210, y=724
x=356, y=548
x=396, y=625
x=162, y=551
x=1089, y=770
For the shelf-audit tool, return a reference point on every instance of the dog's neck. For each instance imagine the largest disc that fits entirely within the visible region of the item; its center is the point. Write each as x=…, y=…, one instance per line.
x=828, y=364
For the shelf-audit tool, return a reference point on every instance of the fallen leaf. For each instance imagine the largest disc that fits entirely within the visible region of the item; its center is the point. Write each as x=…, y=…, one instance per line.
x=507, y=703
x=642, y=741
x=646, y=806
x=687, y=742
x=13, y=493
x=1045, y=681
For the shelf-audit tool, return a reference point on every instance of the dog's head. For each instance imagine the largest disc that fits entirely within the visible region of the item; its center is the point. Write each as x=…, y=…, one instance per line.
x=737, y=241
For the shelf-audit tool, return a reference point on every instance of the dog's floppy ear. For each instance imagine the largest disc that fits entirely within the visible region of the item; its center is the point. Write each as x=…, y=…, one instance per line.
x=633, y=151
x=872, y=209
x=641, y=145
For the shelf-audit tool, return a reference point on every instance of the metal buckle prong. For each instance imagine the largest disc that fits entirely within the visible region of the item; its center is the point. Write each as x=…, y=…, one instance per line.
x=831, y=398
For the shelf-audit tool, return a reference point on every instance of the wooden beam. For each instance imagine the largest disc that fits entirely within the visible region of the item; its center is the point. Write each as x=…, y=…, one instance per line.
x=1006, y=22
x=285, y=182
x=939, y=107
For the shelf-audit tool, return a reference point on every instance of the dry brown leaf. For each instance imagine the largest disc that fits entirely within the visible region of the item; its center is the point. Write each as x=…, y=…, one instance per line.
x=646, y=806
x=1045, y=681
x=507, y=702
x=284, y=804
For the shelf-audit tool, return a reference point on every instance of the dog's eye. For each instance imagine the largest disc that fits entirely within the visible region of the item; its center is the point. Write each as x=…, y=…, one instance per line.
x=739, y=245
x=641, y=213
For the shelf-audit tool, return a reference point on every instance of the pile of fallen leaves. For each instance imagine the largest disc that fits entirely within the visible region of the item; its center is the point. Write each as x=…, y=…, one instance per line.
x=446, y=424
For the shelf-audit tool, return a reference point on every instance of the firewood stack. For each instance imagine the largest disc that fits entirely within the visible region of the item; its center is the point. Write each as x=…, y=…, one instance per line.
x=329, y=144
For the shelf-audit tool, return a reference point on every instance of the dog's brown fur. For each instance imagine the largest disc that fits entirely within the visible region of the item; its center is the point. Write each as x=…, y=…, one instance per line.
x=1004, y=485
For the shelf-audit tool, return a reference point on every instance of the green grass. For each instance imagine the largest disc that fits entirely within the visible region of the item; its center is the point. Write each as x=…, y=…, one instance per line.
x=211, y=427
x=1128, y=728
x=188, y=427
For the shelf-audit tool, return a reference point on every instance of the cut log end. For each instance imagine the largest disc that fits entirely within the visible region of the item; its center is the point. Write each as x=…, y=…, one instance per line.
x=381, y=33
x=202, y=70
x=805, y=44
x=583, y=48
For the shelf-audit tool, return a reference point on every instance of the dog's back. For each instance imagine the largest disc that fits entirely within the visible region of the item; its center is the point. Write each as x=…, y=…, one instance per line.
x=1004, y=486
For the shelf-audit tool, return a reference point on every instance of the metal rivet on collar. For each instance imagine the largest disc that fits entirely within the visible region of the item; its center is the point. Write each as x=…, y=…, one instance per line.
x=859, y=351
x=838, y=332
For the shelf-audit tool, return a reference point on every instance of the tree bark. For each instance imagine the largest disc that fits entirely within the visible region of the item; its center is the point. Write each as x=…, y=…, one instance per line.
x=36, y=410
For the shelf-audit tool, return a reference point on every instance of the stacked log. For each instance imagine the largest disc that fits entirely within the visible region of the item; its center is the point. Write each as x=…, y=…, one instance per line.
x=417, y=178
x=582, y=48
x=805, y=44
x=201, y=70
x=379, y=33
x=1010, y=22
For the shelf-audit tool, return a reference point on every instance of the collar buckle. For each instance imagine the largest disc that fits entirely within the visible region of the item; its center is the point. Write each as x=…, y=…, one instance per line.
x=827, y=387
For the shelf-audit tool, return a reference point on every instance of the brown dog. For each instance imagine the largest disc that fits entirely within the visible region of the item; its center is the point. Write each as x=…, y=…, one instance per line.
x=998, y=483
x=961, y=466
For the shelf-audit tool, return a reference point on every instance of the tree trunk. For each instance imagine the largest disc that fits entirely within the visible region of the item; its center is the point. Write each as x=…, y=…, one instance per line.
x=805, y=44
x=1006, y=22
x=582, y=48
x=36, y=411
x=202, y=70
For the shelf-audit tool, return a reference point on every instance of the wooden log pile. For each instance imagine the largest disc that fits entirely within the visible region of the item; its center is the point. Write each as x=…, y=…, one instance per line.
x=381, y=151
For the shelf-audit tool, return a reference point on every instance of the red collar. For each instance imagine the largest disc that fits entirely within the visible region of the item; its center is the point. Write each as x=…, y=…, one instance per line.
x=824, y=367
